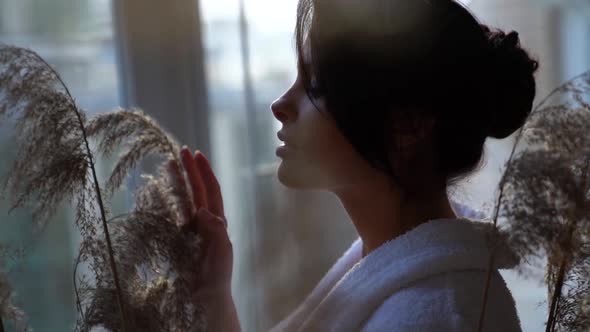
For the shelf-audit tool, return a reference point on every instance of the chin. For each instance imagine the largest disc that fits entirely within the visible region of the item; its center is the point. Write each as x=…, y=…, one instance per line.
x=294, y=178
x=287, y=177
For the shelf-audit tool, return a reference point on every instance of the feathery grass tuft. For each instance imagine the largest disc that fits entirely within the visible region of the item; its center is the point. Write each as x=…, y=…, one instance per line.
x=157, y=258
x=142, y=135
x=544, y=200
x=143, y=265
x=54, y=158
x=51, y=161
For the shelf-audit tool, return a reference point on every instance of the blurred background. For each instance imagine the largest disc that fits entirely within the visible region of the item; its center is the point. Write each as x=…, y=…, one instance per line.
x=207, y=71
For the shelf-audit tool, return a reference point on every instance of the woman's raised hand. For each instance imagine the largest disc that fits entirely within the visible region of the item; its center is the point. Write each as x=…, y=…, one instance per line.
x=209, y=221
x=207, y=218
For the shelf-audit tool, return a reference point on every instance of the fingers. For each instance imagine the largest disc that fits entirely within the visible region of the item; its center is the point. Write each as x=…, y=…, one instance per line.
x=176, y=174
x=198, y=188
x=215, y=271
x=214, y=197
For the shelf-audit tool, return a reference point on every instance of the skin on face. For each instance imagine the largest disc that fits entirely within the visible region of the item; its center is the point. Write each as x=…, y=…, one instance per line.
x=319, y=157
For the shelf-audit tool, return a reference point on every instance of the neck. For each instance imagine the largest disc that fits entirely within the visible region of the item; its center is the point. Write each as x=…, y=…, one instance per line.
x=380, y=213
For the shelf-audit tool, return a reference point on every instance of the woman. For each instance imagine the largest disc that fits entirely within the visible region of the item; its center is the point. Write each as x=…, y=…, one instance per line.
x=391, y=107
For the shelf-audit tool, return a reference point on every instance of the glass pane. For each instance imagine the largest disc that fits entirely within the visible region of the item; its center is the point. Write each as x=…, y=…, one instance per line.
x=76, y=37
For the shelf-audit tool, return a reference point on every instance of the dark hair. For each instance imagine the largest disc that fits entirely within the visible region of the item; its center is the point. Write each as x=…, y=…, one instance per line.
x=371, y=59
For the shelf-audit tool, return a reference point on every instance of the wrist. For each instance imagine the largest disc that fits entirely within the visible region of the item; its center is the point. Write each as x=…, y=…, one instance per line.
x=220, y=310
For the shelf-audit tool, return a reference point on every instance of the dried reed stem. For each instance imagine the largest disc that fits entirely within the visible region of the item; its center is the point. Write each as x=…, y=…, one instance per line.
x=500, y=196
x=496, y=211
x=561, y=274
x=98, y=196
x=555, y=298
x=78, y=302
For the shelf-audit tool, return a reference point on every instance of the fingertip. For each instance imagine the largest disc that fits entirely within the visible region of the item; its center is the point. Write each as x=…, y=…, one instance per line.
x=184, y=152
x=186, y=158
x=202, y=159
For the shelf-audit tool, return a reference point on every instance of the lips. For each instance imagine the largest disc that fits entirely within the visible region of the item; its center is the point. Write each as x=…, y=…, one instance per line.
x=283, y=138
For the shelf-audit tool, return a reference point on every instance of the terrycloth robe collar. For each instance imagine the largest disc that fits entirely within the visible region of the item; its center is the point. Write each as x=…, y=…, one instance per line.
x=355, y=287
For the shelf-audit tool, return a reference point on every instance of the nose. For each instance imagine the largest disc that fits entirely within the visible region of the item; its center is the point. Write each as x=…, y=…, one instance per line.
x=282, y=109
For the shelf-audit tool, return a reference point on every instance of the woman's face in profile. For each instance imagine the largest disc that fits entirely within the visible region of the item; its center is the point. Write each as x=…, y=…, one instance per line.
x=316, y=155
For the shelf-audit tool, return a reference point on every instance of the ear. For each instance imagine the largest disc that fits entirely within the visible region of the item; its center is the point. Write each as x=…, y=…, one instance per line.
x=411, y=129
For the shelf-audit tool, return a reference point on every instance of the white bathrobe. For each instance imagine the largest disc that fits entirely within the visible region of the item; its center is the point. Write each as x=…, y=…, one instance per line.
x=429, y=279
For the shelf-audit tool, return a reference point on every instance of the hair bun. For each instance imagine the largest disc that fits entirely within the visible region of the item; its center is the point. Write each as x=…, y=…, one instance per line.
x=512, y=84
x=510, y=41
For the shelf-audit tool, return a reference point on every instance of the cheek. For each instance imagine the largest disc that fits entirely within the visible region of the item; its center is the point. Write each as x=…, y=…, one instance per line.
x=338, y=159
x=333, y=158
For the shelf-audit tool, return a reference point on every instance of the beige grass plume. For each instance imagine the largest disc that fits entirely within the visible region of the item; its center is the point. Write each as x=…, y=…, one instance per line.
x=543, y=197
x=142, y=264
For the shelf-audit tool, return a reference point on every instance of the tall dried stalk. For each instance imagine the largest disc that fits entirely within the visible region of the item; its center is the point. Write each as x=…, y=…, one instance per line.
x=543, y=198
x=54, y=154
x=157, y=257
x=150, y=267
